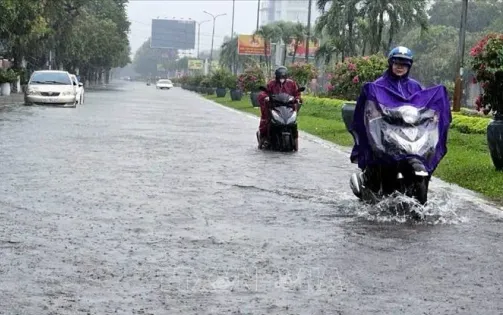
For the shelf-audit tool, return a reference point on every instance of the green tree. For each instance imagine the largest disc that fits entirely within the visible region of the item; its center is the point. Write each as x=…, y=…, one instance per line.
x=271, y=34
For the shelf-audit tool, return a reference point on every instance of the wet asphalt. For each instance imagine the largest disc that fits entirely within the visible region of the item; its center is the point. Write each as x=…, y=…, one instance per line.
x=158, y=202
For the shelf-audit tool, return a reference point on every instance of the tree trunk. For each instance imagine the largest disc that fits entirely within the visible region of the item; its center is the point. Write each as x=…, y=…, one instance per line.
x=107, y=76
x=350, y=32
x=390, y=39
x=285, y=50
x=295, y=50
x=379, y=35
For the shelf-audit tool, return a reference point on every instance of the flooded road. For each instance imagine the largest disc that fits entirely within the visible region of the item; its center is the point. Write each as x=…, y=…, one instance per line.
x=158, y=202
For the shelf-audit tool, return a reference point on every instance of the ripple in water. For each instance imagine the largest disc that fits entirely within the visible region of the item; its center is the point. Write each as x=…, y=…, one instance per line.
x=398, y=208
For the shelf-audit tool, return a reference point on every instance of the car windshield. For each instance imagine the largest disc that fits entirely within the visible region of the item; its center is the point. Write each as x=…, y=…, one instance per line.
x=50, y=78
x=164, y=81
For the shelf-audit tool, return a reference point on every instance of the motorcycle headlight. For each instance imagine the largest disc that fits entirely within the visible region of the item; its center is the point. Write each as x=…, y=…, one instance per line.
x=292, y=118
x=410, y=115
x=276, y=117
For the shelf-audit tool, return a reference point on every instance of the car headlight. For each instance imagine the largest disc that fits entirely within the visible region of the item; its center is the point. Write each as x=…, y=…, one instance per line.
x=33, y=92
x=66, y=93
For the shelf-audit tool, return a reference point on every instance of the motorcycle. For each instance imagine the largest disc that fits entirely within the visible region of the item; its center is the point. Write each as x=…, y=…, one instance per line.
x=282, y=124
x=407, y=138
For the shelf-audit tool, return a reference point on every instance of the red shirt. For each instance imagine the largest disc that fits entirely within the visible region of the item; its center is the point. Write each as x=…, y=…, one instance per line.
x=275, y=87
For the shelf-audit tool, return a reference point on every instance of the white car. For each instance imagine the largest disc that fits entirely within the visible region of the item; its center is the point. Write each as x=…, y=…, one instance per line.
x=80, y=89
x=51, y=87
x=164, y=84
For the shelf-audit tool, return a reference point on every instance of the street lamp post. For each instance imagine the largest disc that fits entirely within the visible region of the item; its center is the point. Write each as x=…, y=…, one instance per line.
x=213, y=33
x=199, y=35
x=233, y=67
x=308, y=38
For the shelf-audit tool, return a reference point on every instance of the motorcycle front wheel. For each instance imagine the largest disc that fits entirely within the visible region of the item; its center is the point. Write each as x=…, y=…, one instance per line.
x=419, y=189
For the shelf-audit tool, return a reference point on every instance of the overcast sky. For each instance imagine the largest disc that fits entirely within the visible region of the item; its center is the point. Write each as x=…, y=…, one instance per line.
x=141, y=12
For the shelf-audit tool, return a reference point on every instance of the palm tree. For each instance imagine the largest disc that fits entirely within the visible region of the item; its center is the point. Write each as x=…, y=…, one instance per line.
x=271, y=34
x=398, y=13
x=287, y=33
x=229, y=55
x=367, y=22
x=339, y=21
x=299, y=35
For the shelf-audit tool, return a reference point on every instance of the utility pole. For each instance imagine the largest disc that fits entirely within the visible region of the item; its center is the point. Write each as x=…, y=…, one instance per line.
x=258, y=14
x=213, y=34
x=233, y=67
x=199, y=35
x=308, y=38
x=458, y=88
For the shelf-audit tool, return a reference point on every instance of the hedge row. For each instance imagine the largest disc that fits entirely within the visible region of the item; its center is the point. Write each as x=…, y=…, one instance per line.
x=330, y=109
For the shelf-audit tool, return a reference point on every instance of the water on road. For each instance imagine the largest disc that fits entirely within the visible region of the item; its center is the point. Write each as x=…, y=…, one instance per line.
x=144, y=201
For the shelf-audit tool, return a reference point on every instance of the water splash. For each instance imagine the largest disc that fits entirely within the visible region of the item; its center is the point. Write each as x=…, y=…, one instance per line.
x=441, y=208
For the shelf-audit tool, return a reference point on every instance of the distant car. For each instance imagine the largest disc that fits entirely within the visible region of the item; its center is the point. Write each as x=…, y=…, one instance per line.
x=51, y=87
x=79, y=87
x=164, y=84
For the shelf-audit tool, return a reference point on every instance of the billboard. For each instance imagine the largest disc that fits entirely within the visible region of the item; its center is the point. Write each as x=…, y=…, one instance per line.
x=301, y=49
x=196, y=64
x=252, y=45
x=174, y=34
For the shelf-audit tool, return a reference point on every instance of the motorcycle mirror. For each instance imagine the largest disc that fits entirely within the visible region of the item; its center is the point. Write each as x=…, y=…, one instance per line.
x=302, y=89
x=262, y=88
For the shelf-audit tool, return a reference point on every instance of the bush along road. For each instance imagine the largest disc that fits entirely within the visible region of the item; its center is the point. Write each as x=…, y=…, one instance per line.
x=467, y=163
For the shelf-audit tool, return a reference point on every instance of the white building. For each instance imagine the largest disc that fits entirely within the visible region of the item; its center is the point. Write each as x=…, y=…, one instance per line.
x=287, y=10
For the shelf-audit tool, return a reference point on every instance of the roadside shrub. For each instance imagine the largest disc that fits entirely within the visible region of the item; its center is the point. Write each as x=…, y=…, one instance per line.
x=252, y=78
x=196, y=80
x=469, y=124
x=302, y=73
x=8, y=76
x=349, y=76
x=232, y=82
x=487, y=62
x=184, y=79
x=206, y=82
x=220, y=78
x=326, y=108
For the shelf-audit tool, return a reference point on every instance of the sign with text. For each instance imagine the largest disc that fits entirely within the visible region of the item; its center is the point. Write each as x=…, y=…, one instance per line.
x=252, y=45
x=196, y=64
x=175, y=34
x=301, y=48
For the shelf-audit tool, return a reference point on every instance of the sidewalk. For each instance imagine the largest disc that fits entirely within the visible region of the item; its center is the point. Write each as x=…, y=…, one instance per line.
x=14, y=98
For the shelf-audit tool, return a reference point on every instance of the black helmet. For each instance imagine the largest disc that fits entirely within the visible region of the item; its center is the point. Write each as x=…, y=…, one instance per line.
x=281, y=73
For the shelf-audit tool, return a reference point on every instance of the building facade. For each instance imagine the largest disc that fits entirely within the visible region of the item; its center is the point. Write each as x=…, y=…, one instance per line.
x=287, y=10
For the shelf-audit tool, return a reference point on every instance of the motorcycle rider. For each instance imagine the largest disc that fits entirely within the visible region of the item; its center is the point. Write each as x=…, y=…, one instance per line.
x=396, y=78
x=280, y=84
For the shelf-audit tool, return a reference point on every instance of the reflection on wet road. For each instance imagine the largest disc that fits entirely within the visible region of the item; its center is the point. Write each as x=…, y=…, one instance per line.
x=158, y=202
